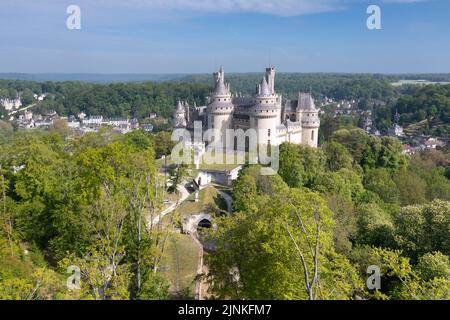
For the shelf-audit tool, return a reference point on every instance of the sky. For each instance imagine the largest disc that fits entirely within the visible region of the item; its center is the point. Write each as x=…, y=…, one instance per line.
x=197, y=36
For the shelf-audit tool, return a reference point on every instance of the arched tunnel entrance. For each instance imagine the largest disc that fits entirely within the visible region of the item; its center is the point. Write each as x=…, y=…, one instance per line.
x=204, y=223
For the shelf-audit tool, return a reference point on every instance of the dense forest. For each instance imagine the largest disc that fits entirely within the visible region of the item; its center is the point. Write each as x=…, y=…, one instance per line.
x=83, y=202
x=429, y=106
x=309, y=232
x=137, y=100
x=312, y=231
x=337, y=86
x=140, y=99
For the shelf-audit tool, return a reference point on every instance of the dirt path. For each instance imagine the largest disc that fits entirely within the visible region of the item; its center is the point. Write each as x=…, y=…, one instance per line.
x=184, y=195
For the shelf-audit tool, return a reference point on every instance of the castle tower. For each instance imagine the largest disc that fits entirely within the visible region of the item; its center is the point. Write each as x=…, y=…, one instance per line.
x=309, y=115
x=220, y=107
x=266, y=112
x=179, y=115
x=270, y=78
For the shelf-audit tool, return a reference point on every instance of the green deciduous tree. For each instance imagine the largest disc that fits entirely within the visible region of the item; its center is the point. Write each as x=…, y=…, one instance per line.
x=423, y=228
x=434, y=265
x=282, y=250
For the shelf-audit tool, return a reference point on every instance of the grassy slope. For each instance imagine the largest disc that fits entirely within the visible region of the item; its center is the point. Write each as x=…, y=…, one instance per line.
x=180, y=264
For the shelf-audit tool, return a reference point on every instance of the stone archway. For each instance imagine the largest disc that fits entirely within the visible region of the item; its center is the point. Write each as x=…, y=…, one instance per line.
x=205, y=223
x=191, y=223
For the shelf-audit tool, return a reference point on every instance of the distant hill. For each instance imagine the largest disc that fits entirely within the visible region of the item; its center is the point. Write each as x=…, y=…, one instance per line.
x=91, y=77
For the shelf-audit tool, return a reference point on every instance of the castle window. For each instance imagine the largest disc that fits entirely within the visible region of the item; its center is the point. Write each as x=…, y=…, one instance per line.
x=312, y=135
x=268, y=132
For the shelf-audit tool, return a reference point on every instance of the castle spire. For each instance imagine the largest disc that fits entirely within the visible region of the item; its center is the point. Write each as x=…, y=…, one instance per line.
x=265, y=90
x=179, y=108
x=220, y=89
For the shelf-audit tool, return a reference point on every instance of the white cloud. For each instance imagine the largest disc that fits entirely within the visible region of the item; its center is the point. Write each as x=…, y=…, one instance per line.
x=274, y=7
x=404, y=1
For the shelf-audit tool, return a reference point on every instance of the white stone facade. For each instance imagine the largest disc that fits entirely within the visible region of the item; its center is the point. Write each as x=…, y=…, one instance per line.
x=274, y=119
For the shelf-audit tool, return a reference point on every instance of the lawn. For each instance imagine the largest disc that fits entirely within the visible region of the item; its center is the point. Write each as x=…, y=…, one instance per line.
x=179, y=265
x=207, y=197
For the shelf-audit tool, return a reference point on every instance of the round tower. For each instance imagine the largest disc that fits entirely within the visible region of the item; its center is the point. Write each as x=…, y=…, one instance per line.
x=266, y=111
x=220, y=107
x=179, y=115
x=309, y=115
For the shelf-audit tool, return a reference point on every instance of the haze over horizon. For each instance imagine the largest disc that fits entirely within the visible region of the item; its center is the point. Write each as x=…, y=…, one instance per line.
x=195, y=37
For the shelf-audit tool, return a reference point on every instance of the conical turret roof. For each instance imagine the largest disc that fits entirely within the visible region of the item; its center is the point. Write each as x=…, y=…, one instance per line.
x=179, y=108
x=306, y=102
x=221, y=89
x=265, y=90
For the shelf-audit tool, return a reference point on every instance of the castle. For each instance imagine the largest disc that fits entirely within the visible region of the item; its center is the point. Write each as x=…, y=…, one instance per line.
x=275, y=119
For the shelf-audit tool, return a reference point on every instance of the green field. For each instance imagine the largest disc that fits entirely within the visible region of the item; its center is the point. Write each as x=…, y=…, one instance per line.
x=415, y=82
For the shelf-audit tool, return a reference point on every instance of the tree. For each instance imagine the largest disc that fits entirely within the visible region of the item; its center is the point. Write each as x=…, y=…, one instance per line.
x=410, y=186
x=27, y=97
x=163, y=144
x=405, y=283
x=282, y=250
x=299, y=165
x=61, y=127
x=244, y=194
x=126, y=196
x=391, y=154
x=103, y=276
x=345, y=229
x=420, y=229
x=337, y=157
x=375, y=226
x=90, y=202
x=434, y=265
x=354, y=140
x=380, y=181
x=344, y=182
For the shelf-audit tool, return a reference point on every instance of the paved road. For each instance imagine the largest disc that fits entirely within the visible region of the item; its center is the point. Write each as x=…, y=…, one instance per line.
x=184, y=195
x=23, y=109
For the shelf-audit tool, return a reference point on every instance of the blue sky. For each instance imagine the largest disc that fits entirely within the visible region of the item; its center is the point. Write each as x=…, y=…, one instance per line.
x=196, y=36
